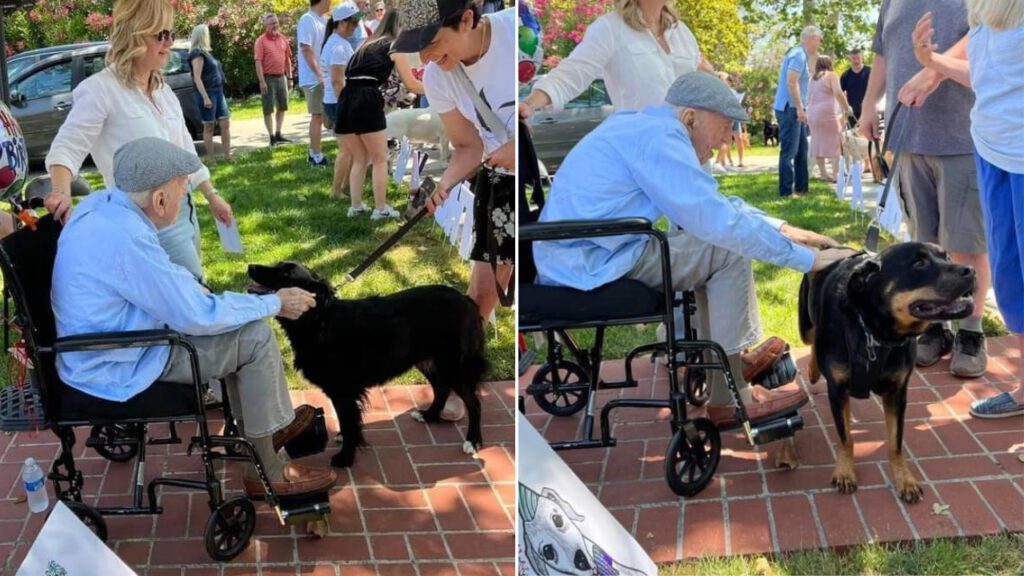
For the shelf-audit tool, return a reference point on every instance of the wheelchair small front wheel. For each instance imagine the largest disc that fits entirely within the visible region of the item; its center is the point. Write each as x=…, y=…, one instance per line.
x=104, y=439
x=92, y=519
x=696, y=380
x=565, y=397
x=230, y=528
x=692, y=457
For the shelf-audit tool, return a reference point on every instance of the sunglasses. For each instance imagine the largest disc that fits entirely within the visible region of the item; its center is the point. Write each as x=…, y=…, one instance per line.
x=379, y=10
x=165, y=35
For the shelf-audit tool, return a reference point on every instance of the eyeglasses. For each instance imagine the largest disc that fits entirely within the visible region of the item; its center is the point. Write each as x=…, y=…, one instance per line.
x=379, y=10
x=165, y=35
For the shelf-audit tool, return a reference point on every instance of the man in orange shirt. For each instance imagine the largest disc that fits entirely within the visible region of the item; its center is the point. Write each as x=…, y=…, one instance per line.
x=274, y=69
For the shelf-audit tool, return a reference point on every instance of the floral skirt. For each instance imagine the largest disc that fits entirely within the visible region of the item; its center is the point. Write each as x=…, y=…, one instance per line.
x=494, y=218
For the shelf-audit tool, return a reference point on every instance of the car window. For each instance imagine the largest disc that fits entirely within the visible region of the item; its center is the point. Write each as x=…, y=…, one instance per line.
x=93, y=64
x=15, y=65
x=177, y=64
x=600, y=93
x=49, y=81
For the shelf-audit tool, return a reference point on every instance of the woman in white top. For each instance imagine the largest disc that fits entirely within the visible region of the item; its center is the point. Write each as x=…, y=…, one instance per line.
x=126, y=101
x=334, y=56
x=639, y=50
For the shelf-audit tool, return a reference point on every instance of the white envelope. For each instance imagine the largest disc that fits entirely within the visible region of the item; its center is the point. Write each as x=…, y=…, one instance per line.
x=66, y=547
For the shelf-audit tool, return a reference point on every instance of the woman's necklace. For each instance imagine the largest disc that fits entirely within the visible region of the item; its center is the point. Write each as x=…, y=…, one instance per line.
x=483, y=40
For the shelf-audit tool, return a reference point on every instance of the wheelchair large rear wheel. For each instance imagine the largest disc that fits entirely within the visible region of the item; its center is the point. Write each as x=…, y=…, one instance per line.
x=92, y=519
x=230, y=528
x=565, y=397
x=107, y=434
x=692, y=457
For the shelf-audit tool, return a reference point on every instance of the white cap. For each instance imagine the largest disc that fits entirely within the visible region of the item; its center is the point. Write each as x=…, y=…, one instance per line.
x=345, y=11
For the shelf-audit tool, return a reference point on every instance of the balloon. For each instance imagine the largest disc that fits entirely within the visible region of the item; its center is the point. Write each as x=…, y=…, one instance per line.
x=527, y=17
x=528, y=40
x=527, y=70
x=13, y=154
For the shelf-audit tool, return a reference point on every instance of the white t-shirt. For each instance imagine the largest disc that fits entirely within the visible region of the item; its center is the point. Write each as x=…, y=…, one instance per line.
x=489, y=75
x=310, y=32
x=336, y=52
x=636, y=70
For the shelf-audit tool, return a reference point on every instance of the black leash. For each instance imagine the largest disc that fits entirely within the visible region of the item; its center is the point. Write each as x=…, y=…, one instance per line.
x=871, y=242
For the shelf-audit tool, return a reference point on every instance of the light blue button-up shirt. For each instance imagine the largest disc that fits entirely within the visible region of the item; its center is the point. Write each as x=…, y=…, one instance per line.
x=642, y=164
x=796, y=60
x=111, y=275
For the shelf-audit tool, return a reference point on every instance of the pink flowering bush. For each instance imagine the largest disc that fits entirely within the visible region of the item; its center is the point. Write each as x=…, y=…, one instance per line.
x=564, y=22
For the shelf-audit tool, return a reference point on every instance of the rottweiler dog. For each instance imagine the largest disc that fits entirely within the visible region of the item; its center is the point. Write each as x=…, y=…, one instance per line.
x=862, y=317
x=345, y=347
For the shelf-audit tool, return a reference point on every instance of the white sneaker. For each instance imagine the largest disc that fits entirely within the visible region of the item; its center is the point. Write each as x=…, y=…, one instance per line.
x=718, y=168
x=353, y=211
x=385, y=212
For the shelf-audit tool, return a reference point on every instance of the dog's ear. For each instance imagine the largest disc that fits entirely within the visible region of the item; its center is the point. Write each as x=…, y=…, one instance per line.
x=863, y=272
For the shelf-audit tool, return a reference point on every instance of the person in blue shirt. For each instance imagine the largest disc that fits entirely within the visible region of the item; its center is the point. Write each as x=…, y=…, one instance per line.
x=648, y=164
x=791, y=111
x=111, y=275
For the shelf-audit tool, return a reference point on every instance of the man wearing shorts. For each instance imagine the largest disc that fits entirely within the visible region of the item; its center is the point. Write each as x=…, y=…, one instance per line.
x=938, y=179
x=274, y=69
x=310, y=38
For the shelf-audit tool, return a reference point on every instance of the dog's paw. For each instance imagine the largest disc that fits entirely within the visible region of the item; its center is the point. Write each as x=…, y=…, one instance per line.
x=425, y=416
x=908, y=488
x=469, y=448
x=343, y=460
x=417, y=415
x=787, y=457
x=844, y=479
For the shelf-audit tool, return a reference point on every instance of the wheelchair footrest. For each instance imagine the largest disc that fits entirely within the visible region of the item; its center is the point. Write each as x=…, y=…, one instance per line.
x=772, y=430
x=577, y=444
x=619, y=385
x=308, y=510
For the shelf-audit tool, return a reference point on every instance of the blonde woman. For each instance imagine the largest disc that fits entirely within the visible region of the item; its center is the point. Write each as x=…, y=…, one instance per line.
x=639, y=50
x=125, y=101
x=992, y=67
x=208, y=75
x=825, y=98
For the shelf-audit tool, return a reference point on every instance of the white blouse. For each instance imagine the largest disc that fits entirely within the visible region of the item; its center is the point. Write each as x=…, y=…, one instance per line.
x=106, y=115
x=635, y=69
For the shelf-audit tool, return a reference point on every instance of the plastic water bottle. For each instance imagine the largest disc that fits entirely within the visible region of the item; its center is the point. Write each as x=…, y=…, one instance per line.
x=35, y=486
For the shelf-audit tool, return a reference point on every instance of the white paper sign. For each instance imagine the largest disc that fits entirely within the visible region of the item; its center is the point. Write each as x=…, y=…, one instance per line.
x=229, y=236
x=66, y=547
x=402, y=161
x=841, y=179
x=562, y=525
x=856, y=175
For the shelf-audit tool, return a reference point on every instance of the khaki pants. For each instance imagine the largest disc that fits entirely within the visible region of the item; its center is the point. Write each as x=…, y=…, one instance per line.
x=249, y=361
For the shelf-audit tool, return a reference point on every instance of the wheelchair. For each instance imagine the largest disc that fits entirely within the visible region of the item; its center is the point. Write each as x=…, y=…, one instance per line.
x=119, y=430
x=563, y=386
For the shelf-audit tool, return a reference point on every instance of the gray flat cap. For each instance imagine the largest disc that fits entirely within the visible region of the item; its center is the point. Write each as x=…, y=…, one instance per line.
x=706, y=92
x=148, y=163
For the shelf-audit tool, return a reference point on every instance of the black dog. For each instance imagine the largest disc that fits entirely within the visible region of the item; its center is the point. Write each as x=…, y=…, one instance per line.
x=347, y=346
x=862, y=317
x=771, y=133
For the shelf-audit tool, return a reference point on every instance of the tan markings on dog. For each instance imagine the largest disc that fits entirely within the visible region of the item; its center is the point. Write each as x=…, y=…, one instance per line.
x=840, y=373
x=844, y=478
x=813, y=373
x=787, y=456
x=906, y=485
x=906, y=323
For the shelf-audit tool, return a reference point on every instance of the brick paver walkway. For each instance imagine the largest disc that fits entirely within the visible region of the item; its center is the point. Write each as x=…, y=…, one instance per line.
x=413, y=504
x=750, y=506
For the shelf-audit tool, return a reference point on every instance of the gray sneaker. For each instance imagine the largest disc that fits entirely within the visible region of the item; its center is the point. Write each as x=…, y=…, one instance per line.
x=936, y=342
x=970, y=356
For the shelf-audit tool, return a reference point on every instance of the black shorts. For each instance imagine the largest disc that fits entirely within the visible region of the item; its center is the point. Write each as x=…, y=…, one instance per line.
x=360, y=109
x=494, y=217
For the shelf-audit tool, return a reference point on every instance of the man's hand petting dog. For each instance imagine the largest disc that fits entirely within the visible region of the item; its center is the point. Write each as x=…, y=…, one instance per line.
x=825, y=258
x=295, y=302
x=807, y=238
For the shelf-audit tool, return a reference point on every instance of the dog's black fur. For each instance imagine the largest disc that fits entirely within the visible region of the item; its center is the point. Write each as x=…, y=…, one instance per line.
x=862, y=316
x=771, y=133
x=347, y=346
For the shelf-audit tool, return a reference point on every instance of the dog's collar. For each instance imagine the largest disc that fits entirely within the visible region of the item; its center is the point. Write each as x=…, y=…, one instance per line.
x=875, y=342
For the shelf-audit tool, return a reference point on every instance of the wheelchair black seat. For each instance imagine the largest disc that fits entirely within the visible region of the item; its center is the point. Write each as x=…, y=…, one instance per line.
x=161, y=400
x=544, y=307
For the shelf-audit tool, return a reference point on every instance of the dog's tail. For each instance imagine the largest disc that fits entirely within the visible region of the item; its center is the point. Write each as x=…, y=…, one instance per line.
x=804, y=310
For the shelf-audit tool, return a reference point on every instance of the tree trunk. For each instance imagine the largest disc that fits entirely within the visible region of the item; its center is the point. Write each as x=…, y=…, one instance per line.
x=808, y=12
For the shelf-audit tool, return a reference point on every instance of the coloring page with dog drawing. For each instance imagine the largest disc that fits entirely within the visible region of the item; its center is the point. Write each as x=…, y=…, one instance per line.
x=562, y=527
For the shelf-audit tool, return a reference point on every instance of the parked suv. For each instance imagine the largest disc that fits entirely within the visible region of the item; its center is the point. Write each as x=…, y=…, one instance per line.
x=41, y=91
x=556, y=133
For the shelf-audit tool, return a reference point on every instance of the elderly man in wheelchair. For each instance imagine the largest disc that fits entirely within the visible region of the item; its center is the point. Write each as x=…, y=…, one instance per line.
x=647, y=164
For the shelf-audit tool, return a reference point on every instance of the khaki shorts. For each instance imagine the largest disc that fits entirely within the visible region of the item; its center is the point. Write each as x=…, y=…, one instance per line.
x=276, y=95
x=942, y=203
x=314, y=98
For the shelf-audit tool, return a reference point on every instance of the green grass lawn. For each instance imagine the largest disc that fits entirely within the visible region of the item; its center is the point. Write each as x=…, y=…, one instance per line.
x=285, y=212
x=1003, y=554
x=250, y=107
x=777, y=288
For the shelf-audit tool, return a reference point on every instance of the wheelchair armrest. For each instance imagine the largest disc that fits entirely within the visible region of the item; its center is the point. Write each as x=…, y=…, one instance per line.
x=111, y=340
x=569, y=229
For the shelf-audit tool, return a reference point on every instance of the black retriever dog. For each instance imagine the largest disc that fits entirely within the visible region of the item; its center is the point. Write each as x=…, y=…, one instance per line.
x=347, y=346
x=771, y=133
x=862, y=317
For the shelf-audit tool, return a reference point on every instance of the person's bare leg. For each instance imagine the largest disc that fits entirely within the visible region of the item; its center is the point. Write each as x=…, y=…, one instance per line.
x=981, y=267
x=377, y=151
x=822, y=171
x=316, y=124
x=357, y=174
x=738, y=137
x=268, y=122
x=342, y=167
x=279, y=121
x=225, y=138
x=1018, y=394
x=834, y=162
x=208, y=140
x=482, y=289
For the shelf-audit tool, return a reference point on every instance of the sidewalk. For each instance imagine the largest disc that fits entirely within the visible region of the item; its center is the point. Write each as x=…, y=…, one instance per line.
x=413, y=504
x=967, y=464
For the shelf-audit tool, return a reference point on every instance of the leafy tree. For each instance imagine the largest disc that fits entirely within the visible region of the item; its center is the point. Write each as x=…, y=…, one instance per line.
x=846, y=23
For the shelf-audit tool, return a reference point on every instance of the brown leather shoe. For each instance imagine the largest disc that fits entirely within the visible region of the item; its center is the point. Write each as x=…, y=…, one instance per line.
x=298, y=479
x=766, y=405
x=762, y=358
x=304, y=416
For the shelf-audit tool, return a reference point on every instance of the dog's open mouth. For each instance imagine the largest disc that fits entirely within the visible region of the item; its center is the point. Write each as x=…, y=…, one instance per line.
x=961, y=307
x=256, y=288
